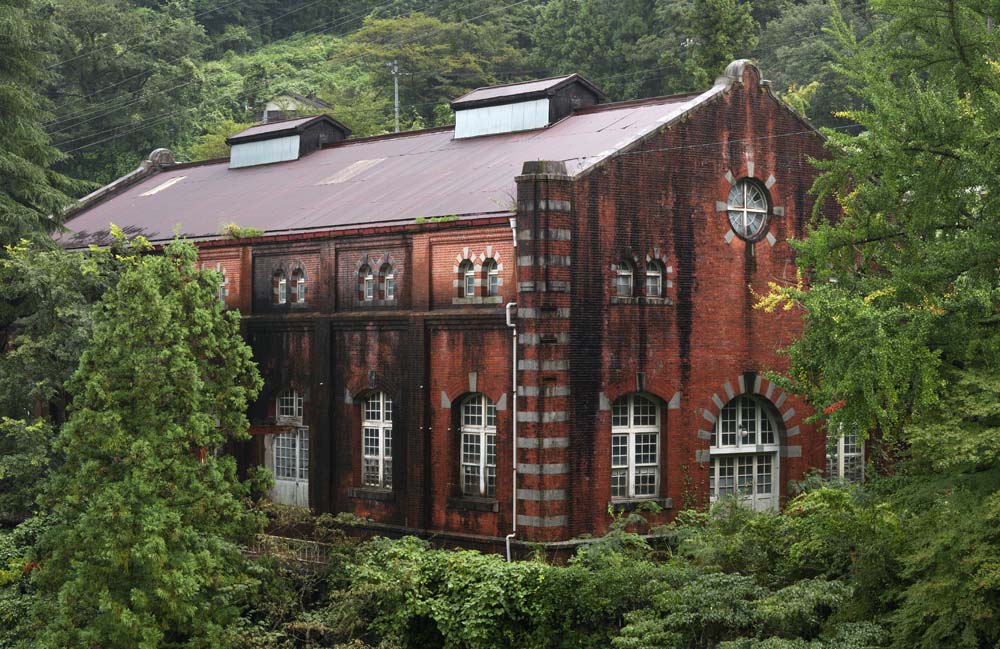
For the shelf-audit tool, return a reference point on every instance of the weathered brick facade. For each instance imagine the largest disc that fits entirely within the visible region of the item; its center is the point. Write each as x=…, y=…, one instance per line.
x=658, y=202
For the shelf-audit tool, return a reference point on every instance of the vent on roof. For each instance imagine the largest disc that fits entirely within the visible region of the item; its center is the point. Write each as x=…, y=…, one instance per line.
x=283, y=141
x=522, y=106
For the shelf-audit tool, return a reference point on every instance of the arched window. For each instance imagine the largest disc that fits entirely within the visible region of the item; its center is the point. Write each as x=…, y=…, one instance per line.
x=467, y=278
x=376, y=442
x=367, y=283
x=623, y=279
x=747, y=207
x=279, y=286
x=388, y=280
x=635, y=447
x=491, y=277
x=744, y=454
x=298, y=286
x=479, y=446
x=654, y=279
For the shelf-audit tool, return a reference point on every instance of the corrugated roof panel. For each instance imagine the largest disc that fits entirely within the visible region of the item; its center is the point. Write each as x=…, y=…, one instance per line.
x=511, y=89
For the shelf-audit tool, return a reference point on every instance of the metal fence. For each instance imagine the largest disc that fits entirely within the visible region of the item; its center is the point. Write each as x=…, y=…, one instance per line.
x=299, y=554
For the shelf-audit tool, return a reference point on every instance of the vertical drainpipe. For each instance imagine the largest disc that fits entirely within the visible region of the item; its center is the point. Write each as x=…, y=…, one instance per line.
x=513, y=326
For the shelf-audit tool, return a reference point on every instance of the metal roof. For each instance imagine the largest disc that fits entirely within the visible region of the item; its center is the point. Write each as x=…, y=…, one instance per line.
x=521, y=90
x=289, y=126
x=384, y=180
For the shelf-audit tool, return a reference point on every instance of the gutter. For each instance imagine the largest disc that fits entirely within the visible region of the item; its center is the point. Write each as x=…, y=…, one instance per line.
x=513, y=465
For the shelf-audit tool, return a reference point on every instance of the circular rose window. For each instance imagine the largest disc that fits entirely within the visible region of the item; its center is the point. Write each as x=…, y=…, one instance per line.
x=748, y=209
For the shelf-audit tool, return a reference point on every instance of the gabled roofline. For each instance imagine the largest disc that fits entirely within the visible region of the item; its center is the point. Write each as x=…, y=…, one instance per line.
x=732, y=77
x=301, y=123
x=156, y=161
x=461, y=103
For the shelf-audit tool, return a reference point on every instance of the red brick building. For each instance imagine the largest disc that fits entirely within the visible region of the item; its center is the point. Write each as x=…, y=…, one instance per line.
x=556, y=292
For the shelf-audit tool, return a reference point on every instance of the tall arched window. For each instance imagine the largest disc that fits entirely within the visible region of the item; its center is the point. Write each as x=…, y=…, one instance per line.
x=467, y=278
x=387, y=275
x=479, y=446
x=491, y=277
x=635, y=447
x=654, y=279
x=298, y=286
x=623, y=279
x=376, y=442
x=279, y=287
x=745, y=453
x=367, y=281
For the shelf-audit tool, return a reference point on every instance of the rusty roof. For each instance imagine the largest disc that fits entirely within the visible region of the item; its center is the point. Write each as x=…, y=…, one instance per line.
x=377, y=181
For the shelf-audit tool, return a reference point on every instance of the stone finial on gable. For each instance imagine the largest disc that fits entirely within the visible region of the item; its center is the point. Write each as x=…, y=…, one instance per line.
x=743, y=72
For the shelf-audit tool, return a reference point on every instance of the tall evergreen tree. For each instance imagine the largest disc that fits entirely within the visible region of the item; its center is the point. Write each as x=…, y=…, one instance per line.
x=32, y=196
x=143, y=548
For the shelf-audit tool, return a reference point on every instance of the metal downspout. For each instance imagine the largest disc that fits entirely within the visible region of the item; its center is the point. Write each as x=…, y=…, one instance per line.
x=513, y=467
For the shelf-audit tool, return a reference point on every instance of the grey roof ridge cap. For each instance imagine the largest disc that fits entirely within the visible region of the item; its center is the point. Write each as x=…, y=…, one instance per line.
x=157, y=160
x=695, y=103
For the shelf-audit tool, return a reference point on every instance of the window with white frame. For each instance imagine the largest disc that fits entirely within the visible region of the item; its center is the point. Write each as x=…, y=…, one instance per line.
x=491, y=276
x=479, y=446
x=279, y=285
x=748, y=208
x=298, y=286
x=635, y=447
x=744, y=454
x=467, y=278
x=654, y=279
x=376, y=441
x=291, y=456
x=367, y=283
x=623, y=279
x=845, y=458
x=388, y=276
x=289, y=405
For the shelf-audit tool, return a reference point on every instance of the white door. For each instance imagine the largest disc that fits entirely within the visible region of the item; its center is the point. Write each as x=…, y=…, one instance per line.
x=289, y=463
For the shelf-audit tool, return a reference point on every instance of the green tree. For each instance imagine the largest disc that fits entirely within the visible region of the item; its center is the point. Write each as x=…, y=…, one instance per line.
x=143, y=548
x=125, y=84
x=32, y=195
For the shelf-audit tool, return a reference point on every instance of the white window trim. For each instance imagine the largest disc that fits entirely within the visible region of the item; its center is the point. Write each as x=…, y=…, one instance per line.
x=384, y=428
x=389, y=286
x=296, y=407
x=300, y=455
x=492, y=278
x=483, y=432
x=746, y=449
x=632, y=430
x=282, y=289
x=839, y=455
x=654, y=270
x=469, y=280
x=744, y=209
x=624, y=271
x=300, y=289
x=369, y=285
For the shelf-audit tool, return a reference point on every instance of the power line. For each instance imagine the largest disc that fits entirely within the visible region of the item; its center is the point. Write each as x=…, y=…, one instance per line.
x=136, y=75
x=343, y=61
x=127, y=41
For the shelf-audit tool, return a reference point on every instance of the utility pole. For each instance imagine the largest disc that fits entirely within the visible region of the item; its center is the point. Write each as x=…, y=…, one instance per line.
x=394, y=68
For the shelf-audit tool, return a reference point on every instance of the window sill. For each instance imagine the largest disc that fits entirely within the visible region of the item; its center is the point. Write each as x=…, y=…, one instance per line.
x=474, y=504
x=371, y=493
x=492, y=299
x=371, y=303
x=632, y=504
x=640, y=299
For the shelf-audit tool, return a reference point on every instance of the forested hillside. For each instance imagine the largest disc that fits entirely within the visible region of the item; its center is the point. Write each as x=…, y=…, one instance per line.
x=126, y=76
